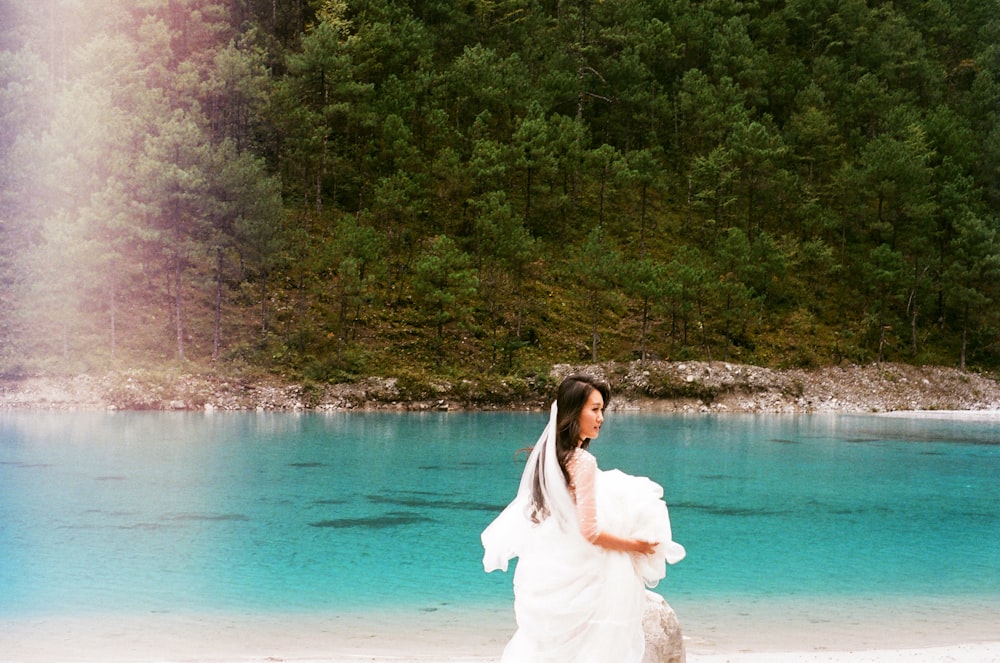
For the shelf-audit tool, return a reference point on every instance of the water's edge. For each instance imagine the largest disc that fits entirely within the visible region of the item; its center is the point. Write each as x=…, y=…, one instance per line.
x=663, y=386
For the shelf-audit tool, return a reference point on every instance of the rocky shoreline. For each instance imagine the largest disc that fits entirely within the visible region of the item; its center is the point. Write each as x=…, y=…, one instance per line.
x=653, y=386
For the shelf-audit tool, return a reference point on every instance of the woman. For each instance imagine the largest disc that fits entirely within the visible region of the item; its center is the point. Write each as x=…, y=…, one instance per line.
x=587, y=542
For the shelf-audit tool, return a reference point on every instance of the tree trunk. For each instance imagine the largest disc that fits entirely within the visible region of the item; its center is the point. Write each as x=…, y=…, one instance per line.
x=342, y=332
x=519, y=286
x=726, y=334
x=217, y=337
x=178, y=309
x=704, y=332
x=642, y=220
x=263, y=302
x=114, y=320
x=965, y=337
x=178, y=275
x=881, y=342
x=319, y=193
x=593, y=331
x=645, y=326
x=527, y=197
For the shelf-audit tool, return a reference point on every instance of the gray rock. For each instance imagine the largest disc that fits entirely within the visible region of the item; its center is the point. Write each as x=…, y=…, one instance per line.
x=664, y=640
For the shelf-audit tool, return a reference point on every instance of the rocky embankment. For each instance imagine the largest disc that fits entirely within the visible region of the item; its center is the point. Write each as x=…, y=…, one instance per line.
x=660, y=386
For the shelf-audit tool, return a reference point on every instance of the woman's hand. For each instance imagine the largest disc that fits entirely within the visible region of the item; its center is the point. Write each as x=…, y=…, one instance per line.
x=644, y=547
x=612, y=542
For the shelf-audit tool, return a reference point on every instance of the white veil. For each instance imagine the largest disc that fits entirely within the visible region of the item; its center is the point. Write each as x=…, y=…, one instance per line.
x=543, y=466
x=506, y=536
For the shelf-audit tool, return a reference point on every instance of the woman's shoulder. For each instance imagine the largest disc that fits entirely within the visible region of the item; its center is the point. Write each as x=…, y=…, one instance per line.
x=582, y=456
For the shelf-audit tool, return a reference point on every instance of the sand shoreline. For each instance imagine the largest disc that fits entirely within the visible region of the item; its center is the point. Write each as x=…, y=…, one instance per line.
x=460, y=635
x=983, y=652
x=968, y=653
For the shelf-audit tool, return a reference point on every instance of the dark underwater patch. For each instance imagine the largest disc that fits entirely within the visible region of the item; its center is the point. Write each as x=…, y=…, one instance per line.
x=206, y=517
x=420, y=502
x=392, y=519
x=149, y=527
x=721, y=510
x=307, y=464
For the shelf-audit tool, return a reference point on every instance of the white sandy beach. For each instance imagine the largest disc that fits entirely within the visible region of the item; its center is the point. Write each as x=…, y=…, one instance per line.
x=460, y=637
x=977, y=653
x=803, y=630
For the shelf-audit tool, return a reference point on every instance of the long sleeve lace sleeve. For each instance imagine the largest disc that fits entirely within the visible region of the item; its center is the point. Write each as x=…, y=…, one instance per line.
x=583, y=471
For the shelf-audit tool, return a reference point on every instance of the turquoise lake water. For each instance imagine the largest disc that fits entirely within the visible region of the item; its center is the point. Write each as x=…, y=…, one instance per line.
x=256, y=513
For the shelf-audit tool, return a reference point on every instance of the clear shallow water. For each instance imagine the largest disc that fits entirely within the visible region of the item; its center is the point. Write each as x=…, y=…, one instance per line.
x=256, y=513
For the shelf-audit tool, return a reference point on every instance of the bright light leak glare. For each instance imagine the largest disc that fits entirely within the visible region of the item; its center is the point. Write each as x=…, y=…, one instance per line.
x=100, y=93
x=64, y=158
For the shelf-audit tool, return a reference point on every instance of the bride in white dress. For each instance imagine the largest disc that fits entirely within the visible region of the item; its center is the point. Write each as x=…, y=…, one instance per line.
x=588, y=543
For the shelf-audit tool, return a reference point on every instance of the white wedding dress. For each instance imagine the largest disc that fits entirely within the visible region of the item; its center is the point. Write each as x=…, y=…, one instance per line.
x=574, y=601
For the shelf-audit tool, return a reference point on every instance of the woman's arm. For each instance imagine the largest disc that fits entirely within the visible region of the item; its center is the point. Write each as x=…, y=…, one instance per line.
x=612, y=542
x=583, y=471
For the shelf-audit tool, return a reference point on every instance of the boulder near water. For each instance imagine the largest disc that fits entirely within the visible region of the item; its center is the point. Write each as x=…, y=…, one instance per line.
x=664, y=640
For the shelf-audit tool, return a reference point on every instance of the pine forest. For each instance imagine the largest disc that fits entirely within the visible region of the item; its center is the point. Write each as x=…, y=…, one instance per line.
x=329, y=189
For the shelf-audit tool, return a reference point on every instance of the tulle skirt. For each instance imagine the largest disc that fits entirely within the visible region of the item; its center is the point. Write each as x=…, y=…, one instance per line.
x=576, y=602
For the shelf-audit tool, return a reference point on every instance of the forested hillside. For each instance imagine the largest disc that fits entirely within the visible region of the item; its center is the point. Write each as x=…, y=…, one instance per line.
x=326, y=189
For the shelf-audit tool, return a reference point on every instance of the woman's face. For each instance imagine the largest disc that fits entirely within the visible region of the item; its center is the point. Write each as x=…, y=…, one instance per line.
x=591, y=417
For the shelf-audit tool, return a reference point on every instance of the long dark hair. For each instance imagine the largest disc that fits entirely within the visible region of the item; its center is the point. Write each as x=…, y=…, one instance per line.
x=572, y=396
